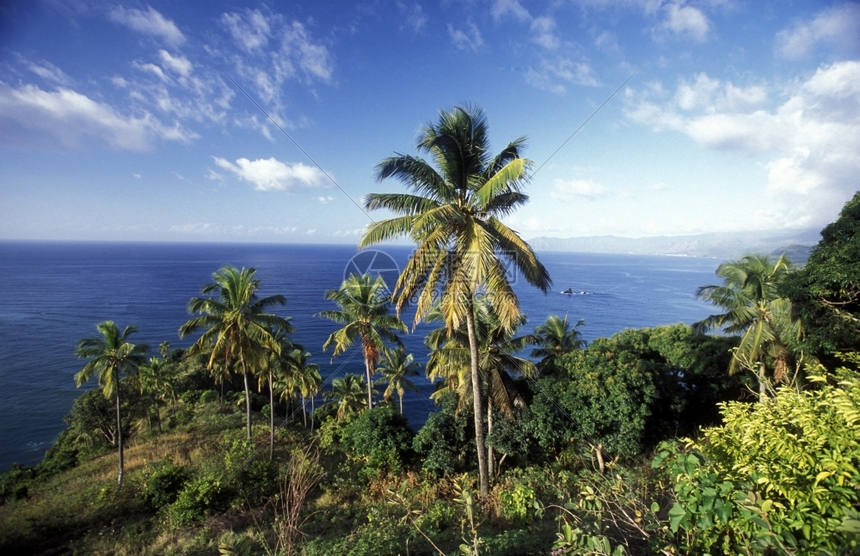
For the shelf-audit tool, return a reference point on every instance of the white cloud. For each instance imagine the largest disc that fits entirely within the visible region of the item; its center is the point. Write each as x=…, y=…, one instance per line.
x=837, y=25
x=809, y=142
x=65, y=118
x=466, y=40
x=271, y=174
x=413, y=15
x=250, y=31
x=178, y=64
x=324, y=199
x=566, y=190
x=543, y=33
x=149, y=22
x=502, y=8
x=552, y=75
x=48, y=72
x=686, y=21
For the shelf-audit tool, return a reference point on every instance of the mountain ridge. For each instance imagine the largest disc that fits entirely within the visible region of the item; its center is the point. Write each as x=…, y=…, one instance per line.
x=719, y=245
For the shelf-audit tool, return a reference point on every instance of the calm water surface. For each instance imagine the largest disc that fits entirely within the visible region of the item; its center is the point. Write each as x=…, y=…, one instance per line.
x=54, y=294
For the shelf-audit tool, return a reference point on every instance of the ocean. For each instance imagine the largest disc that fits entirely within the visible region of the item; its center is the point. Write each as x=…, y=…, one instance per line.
x=52, y=294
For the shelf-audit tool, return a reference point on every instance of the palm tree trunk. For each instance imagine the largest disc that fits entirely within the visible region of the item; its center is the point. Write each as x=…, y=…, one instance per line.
x=304, y=412
x=369, y=370
x=489, y=432
x=119, y=434
x=401, y=404
x=247, y=400
x=313, y=399
x=271, y=419
x=477, y=400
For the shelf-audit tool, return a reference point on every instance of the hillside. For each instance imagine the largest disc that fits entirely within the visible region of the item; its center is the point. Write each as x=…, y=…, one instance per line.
x=717, y=245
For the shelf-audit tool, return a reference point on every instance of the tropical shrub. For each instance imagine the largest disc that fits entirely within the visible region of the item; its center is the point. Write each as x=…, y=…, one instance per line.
x=782, y=475
x=162, y=483
x=199, y=498
x=446, y=443
x=379, y=440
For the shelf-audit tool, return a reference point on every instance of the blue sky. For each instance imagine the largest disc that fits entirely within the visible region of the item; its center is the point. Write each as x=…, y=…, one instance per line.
x=138, y=121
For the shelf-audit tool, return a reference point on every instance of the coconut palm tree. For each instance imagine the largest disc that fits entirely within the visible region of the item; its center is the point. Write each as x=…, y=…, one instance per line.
x=308, y=380
x=347, y=394
x=237, y=327
x=396, y=367
x=463, y=249
x=556, y=337
x=111, y=356
x=755, y=311
x=156, y=379
x=364, y=311
x=276, y=366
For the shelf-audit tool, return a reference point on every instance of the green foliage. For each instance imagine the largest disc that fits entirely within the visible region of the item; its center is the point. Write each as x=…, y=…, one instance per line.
x=15, y=483
x=199, y=498
x=379, y=440
x=519, y=503
x=826, y=291
x=446, y=443
x=162, y=483
x=777, y=475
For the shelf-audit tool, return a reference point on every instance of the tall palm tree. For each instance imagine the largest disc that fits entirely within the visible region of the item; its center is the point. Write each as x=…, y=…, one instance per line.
x=111, y=356
x=754, y=310
x=452, y=213
x=278, y=364
x=347, y=393
x=156, y=379
x=236, y=324
x=556, y=337
x=364, y=311
x=308, y=380
x=396, y=367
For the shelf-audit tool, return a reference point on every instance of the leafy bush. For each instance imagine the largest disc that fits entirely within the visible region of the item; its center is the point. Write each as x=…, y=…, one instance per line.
x=780, y=475
x=379, y=440
x=162, y=484
x=446, y=442
x=199, y=498
x=519, y=503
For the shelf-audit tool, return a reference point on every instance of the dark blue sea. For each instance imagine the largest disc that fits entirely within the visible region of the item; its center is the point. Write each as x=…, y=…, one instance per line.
x=54, y=294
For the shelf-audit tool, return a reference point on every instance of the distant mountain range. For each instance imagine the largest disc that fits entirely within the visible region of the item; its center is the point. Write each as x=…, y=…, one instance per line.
x=796, y=244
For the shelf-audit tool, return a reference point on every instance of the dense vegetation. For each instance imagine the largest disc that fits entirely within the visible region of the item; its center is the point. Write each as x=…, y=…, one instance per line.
x=652, y=441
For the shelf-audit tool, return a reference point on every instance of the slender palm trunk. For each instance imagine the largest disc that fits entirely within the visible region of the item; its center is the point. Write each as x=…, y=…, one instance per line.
x=368, y=368
x=119, y=435
x=401, y=404
x=490, y=458
x=304, y=412
x=478, y=403
x=271, y=419
x=247, y=400
x=313, y=398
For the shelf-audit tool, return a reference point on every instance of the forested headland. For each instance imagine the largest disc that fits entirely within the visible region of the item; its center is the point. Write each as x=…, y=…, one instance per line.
x=737, y=435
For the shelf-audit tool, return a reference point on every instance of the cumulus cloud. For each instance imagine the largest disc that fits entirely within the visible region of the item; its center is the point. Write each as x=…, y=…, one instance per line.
x=470, y=39
x=149, y=22
x=64, y=118
x=837, y=25
x=324, y=199
x=270, y=174
x=809, y=139
x=687, y=21
x=543, y=33
x=567, y=190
